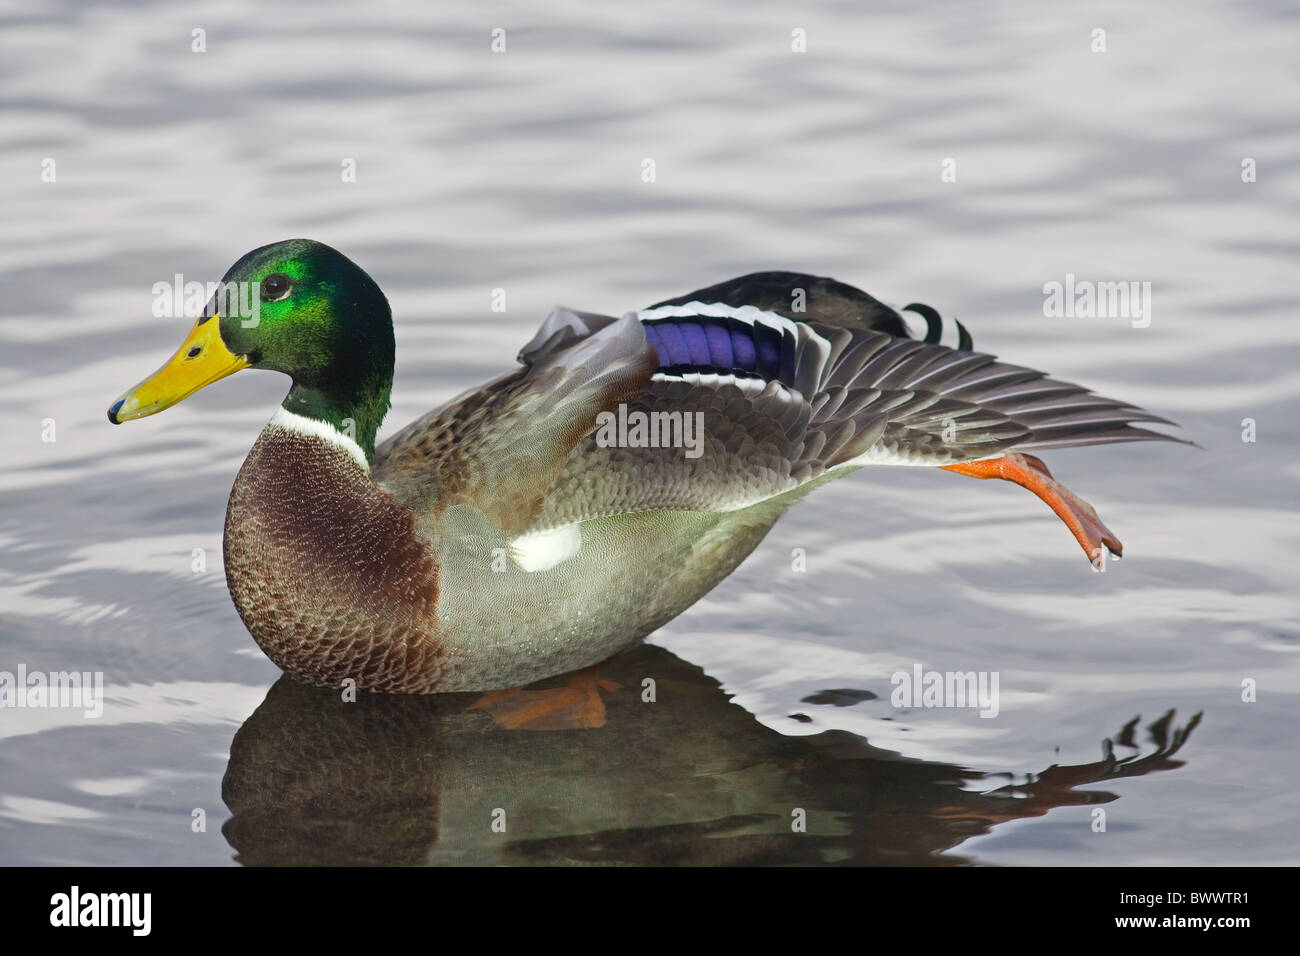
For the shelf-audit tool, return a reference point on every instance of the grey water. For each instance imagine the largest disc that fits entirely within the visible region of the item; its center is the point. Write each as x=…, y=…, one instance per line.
x=965, y=156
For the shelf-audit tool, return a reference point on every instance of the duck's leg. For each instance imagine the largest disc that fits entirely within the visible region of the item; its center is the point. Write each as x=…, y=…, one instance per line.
x=1029, y=472
x=575, y=706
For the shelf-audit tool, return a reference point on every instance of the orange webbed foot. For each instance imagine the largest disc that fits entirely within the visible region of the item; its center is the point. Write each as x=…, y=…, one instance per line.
x=1079, y=516
x=575, y=706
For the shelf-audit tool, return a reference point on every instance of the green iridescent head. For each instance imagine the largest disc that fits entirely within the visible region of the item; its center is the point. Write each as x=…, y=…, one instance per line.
x=297, y=307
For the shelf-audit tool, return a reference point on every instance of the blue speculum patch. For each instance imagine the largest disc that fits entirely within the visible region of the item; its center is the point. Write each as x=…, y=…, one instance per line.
x=724, y=345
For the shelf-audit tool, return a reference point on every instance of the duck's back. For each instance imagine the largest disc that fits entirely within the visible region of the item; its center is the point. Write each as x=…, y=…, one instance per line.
x=801, y=298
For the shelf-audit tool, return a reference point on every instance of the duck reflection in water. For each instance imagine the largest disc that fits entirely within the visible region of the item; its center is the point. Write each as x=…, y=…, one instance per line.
x=688, y=779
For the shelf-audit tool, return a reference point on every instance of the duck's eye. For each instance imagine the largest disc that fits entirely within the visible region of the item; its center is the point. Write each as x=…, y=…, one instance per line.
x=275, y=287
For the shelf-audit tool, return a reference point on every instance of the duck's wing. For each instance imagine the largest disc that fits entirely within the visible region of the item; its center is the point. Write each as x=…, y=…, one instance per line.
x=708, y=402
x=784, y=395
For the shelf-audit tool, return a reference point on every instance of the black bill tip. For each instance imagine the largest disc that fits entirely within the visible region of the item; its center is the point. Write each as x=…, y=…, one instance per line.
x=114, y=409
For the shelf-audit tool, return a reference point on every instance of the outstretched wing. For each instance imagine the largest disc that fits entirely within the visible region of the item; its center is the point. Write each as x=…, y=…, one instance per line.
x=714, y=403
x=783, y=396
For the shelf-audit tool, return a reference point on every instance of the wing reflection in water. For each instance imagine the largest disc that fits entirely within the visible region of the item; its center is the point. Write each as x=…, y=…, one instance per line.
x=689, y=779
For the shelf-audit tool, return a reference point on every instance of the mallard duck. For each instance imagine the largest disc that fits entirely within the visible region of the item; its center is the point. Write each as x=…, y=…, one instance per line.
x=563, y=511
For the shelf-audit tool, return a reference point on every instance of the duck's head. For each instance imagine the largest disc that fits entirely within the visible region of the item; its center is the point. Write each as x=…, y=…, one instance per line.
x=297, y=307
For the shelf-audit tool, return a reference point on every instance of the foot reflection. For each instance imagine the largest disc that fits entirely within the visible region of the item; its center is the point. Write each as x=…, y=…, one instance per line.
x=689, y=779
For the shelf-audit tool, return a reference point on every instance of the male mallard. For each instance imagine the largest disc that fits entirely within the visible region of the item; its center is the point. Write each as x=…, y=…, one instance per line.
x=565, y=510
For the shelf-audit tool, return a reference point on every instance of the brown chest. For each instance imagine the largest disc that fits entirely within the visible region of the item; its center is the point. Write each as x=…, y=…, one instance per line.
x=327, y=571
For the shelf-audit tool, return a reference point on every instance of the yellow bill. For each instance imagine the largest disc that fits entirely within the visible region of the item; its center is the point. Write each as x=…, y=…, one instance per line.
x=201, y=360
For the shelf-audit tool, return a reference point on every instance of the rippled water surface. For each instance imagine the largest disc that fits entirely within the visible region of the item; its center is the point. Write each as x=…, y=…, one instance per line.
x=522, y=171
